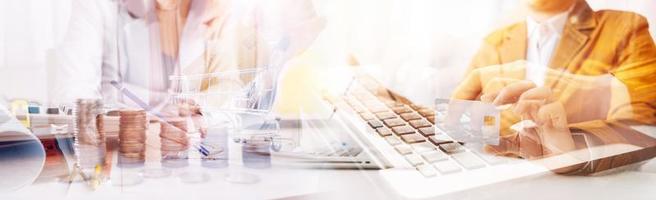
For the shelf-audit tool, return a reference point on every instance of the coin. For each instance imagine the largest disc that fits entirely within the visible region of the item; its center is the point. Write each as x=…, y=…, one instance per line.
x=133, y=125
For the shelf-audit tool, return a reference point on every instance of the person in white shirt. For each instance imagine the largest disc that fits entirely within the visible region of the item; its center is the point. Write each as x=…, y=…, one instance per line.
x=543, y=37
x=141, y=43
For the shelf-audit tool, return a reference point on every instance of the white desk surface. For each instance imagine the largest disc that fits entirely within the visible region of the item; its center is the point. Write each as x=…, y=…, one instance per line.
x=340, y=184
x=347, y=184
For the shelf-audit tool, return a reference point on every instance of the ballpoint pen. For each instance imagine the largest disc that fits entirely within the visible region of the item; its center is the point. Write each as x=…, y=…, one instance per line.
x=148, y=109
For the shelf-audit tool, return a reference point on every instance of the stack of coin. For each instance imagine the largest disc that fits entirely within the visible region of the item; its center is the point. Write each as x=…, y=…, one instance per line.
x=174, y=140
x=132, y=135
x=87, y=123
x=90, y=145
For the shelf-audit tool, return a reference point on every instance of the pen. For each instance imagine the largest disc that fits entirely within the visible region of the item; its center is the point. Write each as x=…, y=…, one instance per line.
x=148, y=109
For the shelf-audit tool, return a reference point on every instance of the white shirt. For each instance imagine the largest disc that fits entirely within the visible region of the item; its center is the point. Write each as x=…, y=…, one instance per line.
x=542, y=41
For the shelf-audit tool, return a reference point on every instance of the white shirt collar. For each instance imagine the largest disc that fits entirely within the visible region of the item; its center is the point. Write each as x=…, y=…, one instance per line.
x=556, y=23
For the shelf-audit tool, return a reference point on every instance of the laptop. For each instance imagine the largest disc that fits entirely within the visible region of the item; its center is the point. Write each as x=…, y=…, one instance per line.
x=375, y=128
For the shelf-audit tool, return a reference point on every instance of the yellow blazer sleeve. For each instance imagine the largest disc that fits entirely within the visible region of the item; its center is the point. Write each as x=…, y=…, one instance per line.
x=636, y=69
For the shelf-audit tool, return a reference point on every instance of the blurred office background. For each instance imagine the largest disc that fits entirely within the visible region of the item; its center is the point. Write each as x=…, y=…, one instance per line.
x=421, y=46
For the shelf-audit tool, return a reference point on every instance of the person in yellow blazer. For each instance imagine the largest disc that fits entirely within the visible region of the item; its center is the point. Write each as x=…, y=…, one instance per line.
x=563, y=95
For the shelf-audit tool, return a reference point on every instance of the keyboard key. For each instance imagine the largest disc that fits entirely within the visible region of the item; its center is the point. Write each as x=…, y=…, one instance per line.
x=402, y=130
x=358, y=108
x=379, y=109
x=410, y=116
x=490, y=159
x=427, y=170
x=401, y=109
x=388, y=102
x=427, y=131
x=375, y=124
x=394, y=122
x=385, y=115
x=451, y=147
x=413, y=138
x=414, y=159
x=416, y=107
x=393, y=104
x=431, y=119
x=403, y=149
x=426, y=112
x=447, y=167
x=434, y=156
x=392, y=140
x=384, y=131
x=439, y=139
x=468, y=160
x=367, y=116
x=420, y=123
x=423, y=147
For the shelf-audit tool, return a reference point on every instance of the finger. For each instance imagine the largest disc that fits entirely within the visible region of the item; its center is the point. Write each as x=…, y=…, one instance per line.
x=556, y=134
x=200, y=126
x=537, y=93
x=530, y=144
x=528, y=109
x=489, y=97
x=495, y=85
x=511, y=93
x=194, y=110
x=188, y=108
x=552, y=115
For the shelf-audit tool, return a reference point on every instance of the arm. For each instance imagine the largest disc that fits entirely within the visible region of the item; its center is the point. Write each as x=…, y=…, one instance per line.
x=81, y=54
x=636, y=69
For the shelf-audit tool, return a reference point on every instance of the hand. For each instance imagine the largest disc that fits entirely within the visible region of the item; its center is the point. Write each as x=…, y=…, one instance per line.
x=550, y=136
x=192, y=110
x=502, y=91
x=186, y=109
